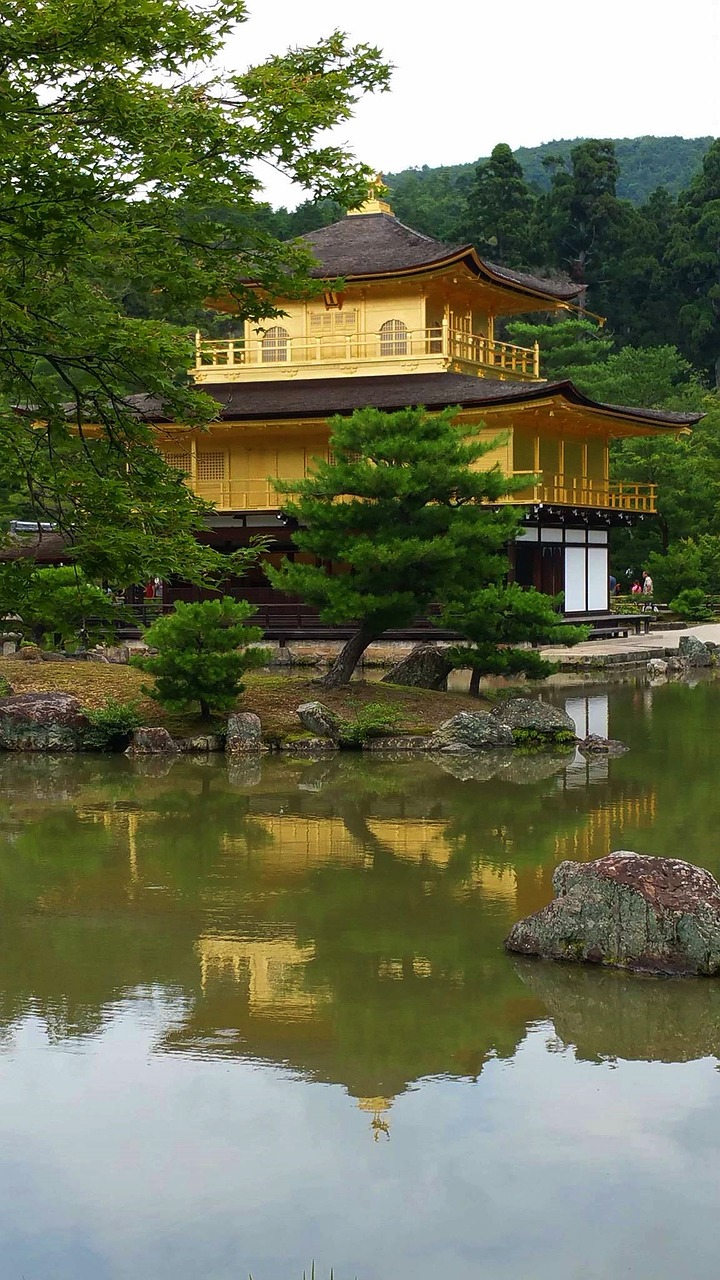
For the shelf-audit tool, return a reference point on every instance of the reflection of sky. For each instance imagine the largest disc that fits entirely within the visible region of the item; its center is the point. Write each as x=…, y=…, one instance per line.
x=119, y=1164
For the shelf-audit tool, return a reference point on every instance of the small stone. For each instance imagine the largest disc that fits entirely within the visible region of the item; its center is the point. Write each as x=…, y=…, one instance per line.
x=403, y=742
x=661, y=915
x=533, y=717
x=244, y=733
x=694, y=653
x=308, y=746
x=201, y=743
x=595, y=745
x=42, y=722
x=151, y=742
x=475, y=729
x=29, y=653
x=657, y=667
x=320, y=720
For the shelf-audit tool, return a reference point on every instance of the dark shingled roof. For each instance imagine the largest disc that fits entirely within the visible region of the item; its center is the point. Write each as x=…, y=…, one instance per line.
x=322, y=397
x=375, y=244
x=45, y=547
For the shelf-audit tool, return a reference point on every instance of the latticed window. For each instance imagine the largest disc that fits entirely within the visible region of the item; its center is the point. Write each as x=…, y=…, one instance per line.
x=275, y=344
x=322, y=322
x=180, y=461
x=211, y=466
x=393, y=338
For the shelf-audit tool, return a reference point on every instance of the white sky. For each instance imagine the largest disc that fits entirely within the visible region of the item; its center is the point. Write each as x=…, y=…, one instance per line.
x=471, y=74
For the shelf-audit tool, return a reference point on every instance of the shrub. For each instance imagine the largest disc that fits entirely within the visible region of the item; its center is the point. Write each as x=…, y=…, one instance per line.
x=374, y=720
x=111, y=725
x=692, y=605
x=203, y=649
x=57, y=605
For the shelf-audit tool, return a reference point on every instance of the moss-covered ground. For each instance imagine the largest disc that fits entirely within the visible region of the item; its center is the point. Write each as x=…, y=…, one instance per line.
x=274, y=698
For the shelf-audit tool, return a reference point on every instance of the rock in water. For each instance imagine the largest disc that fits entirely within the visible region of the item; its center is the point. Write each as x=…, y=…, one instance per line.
x=657, y=667
x=694, y=653
x=244, y=733
x=535, y=718
x=151, y=741
x=660, y=915
x=476, y=729
x=594, y=744
x=42, y=722
x=320, y=720
x=427, y=667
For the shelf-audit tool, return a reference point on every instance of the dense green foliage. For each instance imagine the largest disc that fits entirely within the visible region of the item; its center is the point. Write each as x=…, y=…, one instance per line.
x=56, y=606
x=499, y=618
x=203, y=649
x=410, y=526
x=111, y=725
x=692, y=605
x=128, y=194
x=374, y=720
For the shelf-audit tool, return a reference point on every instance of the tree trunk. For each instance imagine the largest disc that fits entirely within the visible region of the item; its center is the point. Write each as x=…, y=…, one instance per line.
x=474, y=689
x=341, y=670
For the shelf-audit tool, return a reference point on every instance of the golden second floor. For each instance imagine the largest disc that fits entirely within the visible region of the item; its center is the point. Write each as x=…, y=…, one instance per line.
x=233, y=465
x=388, y=299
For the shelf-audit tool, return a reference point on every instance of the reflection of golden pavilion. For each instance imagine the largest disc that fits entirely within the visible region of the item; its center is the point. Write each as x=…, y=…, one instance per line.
x=272, y=967
x=594, y=839
x=379, y=1107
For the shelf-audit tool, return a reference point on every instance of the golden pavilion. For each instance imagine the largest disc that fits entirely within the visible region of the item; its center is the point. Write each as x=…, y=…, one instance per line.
x=402, y=319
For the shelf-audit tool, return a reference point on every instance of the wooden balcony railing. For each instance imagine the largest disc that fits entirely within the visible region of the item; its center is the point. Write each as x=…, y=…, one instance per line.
x=453, y=344
x=574, y=491
x=567, y=491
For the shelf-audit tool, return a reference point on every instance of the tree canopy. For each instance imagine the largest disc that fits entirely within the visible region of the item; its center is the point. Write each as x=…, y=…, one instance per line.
x=402, y=510
x=121, y=146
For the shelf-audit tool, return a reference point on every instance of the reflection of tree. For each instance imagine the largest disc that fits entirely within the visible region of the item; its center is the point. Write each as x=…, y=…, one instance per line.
x=344, y=918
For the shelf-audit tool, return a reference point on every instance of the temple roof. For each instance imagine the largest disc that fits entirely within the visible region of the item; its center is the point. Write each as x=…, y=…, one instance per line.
x=377, y=244
x=322, y=397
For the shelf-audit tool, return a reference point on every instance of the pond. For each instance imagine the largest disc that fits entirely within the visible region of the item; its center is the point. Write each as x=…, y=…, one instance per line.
x=259, y=1015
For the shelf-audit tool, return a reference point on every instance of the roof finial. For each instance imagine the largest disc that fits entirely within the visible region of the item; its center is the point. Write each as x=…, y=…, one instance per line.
x=374, y=203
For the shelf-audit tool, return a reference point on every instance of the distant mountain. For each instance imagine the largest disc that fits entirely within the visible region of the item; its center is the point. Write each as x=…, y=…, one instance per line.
x=429, y=198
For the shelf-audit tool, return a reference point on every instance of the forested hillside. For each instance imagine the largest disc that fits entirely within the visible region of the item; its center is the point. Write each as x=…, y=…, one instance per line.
x=645, y=164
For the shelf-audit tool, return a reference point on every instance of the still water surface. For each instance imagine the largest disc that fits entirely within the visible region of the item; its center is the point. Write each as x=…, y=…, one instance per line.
x=253, y=1017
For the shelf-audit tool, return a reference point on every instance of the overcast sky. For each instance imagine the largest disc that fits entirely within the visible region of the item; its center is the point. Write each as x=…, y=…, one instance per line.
x=471, y=74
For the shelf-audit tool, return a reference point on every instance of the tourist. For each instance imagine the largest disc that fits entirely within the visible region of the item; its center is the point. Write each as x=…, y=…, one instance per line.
x=647, y=591
x=613, y=585
x=636, y=589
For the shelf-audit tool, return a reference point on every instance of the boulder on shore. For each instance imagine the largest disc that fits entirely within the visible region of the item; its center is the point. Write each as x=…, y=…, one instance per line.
x=660, y=915
x=42, y=722
x=244, y=733
x=151, y=741
x=320, y=721
x=531, y=717
x=426, y=667
x=694, y=653
x=478, y=730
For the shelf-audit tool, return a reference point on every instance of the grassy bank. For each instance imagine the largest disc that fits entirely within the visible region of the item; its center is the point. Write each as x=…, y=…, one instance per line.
x=273, y=698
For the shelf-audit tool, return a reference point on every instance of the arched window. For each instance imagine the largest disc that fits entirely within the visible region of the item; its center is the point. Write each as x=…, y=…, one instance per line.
x=393, y=338
x=275, y=344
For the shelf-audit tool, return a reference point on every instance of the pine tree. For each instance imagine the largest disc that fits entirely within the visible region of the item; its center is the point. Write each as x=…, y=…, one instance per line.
x=404, y=519
x=496, y=620
x=202, y=651
x=500, y=210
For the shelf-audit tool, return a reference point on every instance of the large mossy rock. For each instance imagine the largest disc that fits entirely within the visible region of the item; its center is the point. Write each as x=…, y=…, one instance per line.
x=660, y=915
x=42, y=722
x=475, y=729
x=531, y=718
x=427, y=667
